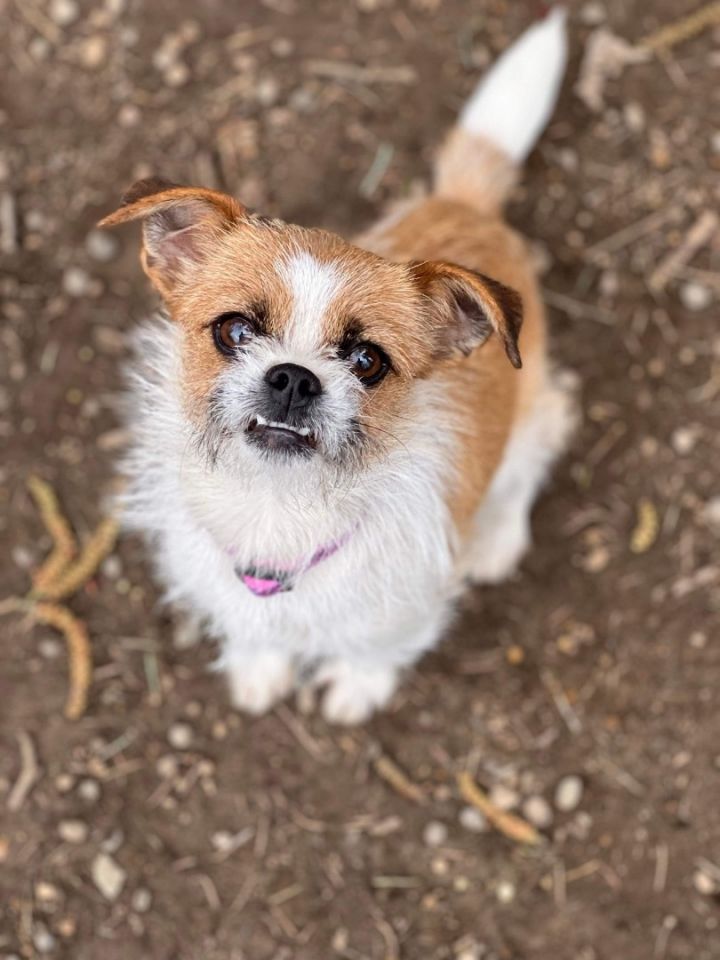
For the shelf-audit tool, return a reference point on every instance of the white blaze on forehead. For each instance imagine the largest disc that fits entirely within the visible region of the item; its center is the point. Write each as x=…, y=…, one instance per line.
x=313, y=285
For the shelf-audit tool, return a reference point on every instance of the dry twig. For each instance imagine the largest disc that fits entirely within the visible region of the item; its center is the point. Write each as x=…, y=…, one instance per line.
x=647, y=527
x=697, y=236
x=682, y=29
x=398, y=779
x=64, y=543
x=94, y=551
x=512, y=826
x=78, y=646
x=29, y=773
x=57, y=578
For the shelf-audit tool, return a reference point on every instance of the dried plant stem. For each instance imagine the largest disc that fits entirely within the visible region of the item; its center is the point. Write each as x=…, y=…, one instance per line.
x=64, y=543
x=78, y=645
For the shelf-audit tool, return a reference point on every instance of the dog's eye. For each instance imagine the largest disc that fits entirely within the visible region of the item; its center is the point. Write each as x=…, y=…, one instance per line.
x=368, y=363
x=232, y=330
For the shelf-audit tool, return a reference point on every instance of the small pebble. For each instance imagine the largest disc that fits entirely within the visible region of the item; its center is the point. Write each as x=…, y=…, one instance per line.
x=112, y=567
x=538, y=812
x=634, y=116
x=177, y=74
x=93, y=52
x=471, y=819
x=89, y=790
x=64, y=12
x=684, y=439
x=267, y=91
x=505, y=891
x=167, y=766
x=129, y=115
x=592, y=13
x=76, y=282
x=49, y=648
x=73, y=831
x=223, y=841
x=141, y=900
x=108, y=876
x=64, y=782
x=180, y=736
x=101, y=246
x=568, y=793
x=470, y=951
x=609, y=283
x=711, y=512
x=695, y=296
x=43, y=940
x=503, y=797
x=435, y=833
x=704, y=883
x=113, y=843
x=47, y=892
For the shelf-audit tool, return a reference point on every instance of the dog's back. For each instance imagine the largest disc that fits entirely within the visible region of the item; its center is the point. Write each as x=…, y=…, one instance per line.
x=462, y=221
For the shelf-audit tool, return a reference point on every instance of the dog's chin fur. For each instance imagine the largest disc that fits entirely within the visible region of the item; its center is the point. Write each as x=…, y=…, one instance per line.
x=407, y=490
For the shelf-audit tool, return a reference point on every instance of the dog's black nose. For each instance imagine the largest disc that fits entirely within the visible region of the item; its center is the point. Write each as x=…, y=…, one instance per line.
x=292, y=387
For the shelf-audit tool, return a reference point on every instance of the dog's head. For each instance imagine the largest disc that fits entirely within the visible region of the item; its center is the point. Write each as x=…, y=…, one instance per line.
x=295, y=344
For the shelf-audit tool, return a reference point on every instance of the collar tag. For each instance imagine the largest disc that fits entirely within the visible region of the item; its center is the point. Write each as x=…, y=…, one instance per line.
x=265, y=583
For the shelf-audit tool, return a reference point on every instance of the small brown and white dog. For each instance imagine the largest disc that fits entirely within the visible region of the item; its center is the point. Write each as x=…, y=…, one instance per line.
x=332, y=439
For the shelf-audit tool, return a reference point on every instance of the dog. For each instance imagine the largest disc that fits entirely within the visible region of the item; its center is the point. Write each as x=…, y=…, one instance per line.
x=331, y=440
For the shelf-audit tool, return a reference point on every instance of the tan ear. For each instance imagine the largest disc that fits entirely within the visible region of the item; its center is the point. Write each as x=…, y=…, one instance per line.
x=178, y=223
x=470, y=307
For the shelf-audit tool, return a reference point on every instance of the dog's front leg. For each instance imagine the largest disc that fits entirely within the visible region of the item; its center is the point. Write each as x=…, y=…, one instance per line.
x=258, y=680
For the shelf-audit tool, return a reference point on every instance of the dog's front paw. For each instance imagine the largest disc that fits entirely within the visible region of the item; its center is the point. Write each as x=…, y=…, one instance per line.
x=259, y=682
x=354, y=692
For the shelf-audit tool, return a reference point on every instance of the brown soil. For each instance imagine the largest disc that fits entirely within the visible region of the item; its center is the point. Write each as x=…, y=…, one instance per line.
x=276, y=839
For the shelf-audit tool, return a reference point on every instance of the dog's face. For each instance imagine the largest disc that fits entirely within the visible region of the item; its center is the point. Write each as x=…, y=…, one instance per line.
x=296, y=345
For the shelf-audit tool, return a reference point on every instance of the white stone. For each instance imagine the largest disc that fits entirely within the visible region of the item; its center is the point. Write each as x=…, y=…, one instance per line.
x=704, y=883
x=141, y=900
x=101, y=246
x=435, y=833
x=592, y=13
x=89, y=790
x=471, y=819
x=76, y=282
x=684, y=439
x=711, y=512
x=180, y=736
x=538, y=812
x=43, y=940
x=73, y=831
x=695, y=296
x=108, y=876
x=64, y=12
x=568, y=793
x=505, y=891
x=504, y=798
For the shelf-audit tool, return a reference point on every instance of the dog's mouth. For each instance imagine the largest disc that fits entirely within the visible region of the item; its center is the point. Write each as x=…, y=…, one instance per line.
x=280, y=437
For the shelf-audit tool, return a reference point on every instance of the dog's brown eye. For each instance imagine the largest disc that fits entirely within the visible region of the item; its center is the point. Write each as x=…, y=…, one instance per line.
x=232, y=330
x=368, y=363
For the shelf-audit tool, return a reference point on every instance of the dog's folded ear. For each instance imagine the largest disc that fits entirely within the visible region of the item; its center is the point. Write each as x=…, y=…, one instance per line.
x=468, y=307
x=178, y=224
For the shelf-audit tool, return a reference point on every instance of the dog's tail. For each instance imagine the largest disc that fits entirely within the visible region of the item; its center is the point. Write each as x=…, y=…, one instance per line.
x=504, y=118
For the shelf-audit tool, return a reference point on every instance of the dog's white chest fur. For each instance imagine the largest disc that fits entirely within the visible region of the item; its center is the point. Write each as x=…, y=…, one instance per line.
x=378, y=601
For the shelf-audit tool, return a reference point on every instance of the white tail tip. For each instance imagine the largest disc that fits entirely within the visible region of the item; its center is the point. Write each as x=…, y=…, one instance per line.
x=515, y=100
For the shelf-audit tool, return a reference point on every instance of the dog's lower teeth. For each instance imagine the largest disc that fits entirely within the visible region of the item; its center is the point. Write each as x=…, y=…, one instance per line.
x=260, y=421
x=301, y=431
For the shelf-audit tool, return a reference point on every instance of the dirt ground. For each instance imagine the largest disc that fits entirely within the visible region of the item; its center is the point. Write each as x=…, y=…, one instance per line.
x=583, y=694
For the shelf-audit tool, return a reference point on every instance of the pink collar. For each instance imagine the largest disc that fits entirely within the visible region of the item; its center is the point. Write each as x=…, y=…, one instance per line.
x=265, y=581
